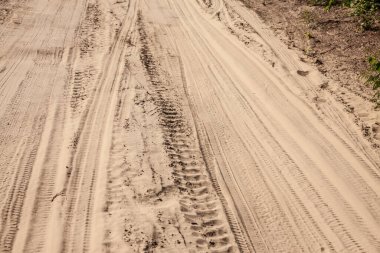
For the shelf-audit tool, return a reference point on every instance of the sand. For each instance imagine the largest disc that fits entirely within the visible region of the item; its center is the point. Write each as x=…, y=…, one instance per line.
x=173, y=126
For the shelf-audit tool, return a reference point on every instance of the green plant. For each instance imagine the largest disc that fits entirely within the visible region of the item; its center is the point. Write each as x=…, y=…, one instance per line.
x=374, y=78
x=308, y=17
x=366, y=11
x=309, y=35
x=329, y=4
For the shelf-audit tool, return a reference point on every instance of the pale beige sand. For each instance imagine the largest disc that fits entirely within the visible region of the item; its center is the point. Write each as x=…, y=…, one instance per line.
x=173, y=126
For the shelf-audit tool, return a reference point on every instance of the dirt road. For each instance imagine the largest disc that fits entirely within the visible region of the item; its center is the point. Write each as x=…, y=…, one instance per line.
x=172, y=126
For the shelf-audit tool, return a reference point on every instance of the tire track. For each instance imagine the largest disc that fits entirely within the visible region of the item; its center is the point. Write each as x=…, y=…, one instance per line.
x=199, y=202
x=88, y=148
x=340, y=224
x=40, y=87
x=11, y=211
x=356, y=180
x=22, y=163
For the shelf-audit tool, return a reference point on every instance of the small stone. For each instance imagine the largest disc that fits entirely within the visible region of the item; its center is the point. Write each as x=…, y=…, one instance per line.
x=376, y=127
x=324, y=85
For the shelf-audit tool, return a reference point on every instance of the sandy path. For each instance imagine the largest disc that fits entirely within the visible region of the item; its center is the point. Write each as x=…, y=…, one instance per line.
x=261, y=122
x=173, y=126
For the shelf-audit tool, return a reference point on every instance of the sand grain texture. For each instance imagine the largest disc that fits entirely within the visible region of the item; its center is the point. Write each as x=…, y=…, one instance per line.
x=172, y=126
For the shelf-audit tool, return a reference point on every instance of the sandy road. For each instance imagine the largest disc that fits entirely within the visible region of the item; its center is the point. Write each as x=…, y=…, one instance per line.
x=172, y=126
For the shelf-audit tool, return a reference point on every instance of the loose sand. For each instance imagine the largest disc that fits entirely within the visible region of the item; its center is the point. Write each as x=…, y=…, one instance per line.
x=172, y=126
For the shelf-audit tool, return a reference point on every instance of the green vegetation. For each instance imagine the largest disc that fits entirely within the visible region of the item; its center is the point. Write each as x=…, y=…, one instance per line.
x=374, y=78
x=365, y=10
